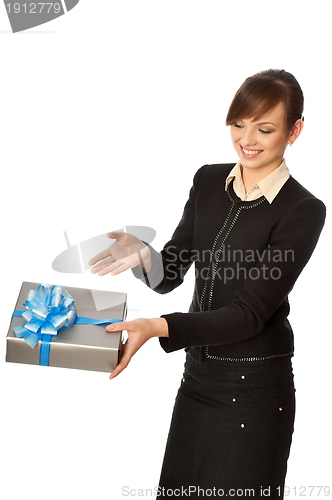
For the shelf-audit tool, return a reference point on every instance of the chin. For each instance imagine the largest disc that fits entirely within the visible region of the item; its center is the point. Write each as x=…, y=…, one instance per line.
x=255, y=163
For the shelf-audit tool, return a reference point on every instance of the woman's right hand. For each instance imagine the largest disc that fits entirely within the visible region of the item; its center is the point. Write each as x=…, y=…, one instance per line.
x=126, y=252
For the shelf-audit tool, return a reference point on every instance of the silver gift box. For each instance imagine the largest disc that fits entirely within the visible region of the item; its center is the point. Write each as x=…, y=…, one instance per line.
x=84, y=347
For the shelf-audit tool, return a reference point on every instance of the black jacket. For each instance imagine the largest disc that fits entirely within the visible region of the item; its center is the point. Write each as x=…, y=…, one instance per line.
x=247, y=257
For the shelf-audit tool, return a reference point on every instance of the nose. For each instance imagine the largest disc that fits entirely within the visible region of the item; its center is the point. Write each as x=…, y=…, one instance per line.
x=248, y=137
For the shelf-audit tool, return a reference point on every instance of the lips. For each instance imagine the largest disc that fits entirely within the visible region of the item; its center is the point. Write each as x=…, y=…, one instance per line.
x=250, y=153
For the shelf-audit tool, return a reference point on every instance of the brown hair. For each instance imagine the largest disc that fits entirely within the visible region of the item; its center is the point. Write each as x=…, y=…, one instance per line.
x=263, y=91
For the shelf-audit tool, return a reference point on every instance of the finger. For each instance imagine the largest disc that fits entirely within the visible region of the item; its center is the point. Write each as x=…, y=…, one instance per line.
x=116, y=267
x=120, y=269
x=118, y=327
x=100, y=256
x=106, y=262
x=97, y=269
x=103, y=264
x=122, y=265
x=121, y=366
x=124, y=362
x=105, y=270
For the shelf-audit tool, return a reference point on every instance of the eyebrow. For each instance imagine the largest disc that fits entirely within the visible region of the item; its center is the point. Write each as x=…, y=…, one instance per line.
x=267, y=123
x=261, y=123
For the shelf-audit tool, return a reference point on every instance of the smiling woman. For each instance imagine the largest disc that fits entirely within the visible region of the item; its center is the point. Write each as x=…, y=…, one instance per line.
x=261, y=145
x=233, y=416
x=265, y=116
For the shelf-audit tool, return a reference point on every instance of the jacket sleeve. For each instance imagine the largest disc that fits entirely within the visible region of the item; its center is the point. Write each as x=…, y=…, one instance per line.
x=256, y=301
x=172, y=263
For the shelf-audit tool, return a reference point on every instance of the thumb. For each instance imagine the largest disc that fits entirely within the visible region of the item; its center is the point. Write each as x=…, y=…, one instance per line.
x=118, y=326
x=121, y=366
x=115, y=235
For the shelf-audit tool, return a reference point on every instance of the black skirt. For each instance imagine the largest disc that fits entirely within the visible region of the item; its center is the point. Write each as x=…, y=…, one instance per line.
x=231, y=430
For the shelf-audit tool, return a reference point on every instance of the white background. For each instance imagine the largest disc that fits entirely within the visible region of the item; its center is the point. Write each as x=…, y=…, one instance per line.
x=106, y=114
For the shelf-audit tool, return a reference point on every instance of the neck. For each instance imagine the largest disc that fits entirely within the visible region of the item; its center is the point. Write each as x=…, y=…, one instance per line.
x=252, y=175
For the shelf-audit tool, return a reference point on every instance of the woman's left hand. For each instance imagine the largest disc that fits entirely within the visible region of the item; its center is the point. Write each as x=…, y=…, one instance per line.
x=139, y=331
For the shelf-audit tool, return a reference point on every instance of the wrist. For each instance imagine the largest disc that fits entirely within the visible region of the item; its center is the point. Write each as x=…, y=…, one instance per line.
x=159, y=327
x=146, y=258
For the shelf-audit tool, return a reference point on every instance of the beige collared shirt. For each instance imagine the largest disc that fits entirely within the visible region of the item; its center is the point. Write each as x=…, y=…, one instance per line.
x=269, y=186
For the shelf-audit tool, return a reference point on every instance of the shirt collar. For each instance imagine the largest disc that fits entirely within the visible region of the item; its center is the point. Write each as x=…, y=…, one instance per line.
x=269, y=185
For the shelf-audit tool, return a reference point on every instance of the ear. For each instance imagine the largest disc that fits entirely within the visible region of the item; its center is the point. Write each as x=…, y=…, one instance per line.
x=295, y=132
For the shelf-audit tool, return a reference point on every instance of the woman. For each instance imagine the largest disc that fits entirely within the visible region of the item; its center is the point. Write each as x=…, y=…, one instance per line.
x=250, y=228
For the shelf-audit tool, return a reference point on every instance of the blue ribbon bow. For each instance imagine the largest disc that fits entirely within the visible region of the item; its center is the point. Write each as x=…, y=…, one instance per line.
x=49, y=309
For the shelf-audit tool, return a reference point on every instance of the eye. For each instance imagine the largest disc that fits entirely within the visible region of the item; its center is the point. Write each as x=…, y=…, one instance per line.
x=237, y=125
x=266, y=131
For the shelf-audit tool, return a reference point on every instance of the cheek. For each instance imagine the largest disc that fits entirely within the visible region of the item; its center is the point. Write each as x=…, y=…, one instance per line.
x=274, y=143
x=235, y=135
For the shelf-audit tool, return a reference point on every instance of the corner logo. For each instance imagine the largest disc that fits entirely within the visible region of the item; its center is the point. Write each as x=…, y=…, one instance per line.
x=24, y=14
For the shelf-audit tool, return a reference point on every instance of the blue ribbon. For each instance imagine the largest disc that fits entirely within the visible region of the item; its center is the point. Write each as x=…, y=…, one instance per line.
x=47, y=310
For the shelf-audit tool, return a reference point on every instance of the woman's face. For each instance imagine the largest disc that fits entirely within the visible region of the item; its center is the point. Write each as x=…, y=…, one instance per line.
x=261, y=145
